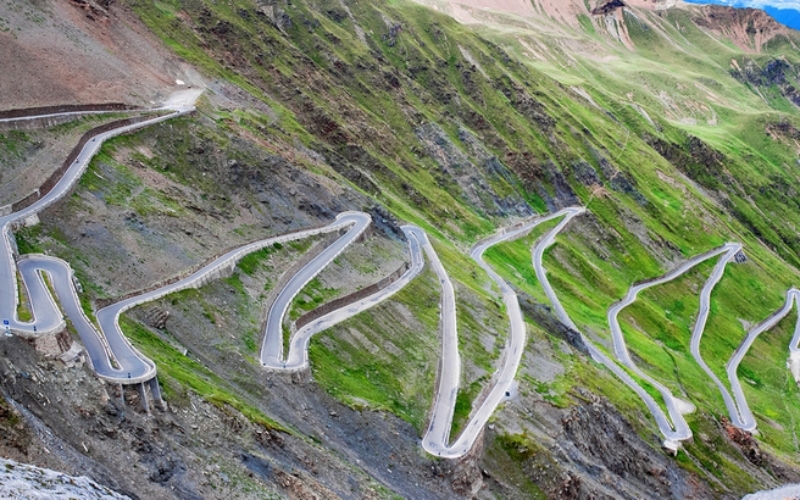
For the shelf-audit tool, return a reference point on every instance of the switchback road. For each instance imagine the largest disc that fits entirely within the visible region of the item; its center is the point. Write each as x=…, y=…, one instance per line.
x=113, y=358
x=792, y=299
x=272, y=345
x=297, y=357
x=675, y=406
x=741, y=417
x=672, y=436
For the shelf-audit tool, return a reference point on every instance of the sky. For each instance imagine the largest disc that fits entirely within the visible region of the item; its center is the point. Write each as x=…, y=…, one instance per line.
x=785, y=11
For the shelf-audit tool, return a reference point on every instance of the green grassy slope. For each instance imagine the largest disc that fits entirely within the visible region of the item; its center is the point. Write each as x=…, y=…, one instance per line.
x=361, y=101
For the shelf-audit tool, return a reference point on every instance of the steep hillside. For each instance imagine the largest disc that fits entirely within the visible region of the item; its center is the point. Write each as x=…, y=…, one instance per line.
x=81, y=52
x=676, y=126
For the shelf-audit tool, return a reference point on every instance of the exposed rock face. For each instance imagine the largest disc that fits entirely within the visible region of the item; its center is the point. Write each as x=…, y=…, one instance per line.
x=750, y=29
x=23, y=482
x=617, y=180
x=53, y=345
x=535, y=174
x=545, y=317
x=745, y=441
x=157, y=318
x=94, y=11
x=776, y=72
x=607, y=444
x=28, y=482
x=473, y=182
x=585, y=173
x=608, y=7
x=695, y=158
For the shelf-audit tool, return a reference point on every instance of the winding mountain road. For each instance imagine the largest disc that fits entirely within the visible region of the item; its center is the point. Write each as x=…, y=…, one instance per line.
x=678, y=429
x=672, y=435
x=435, y=441
x=740, y=416
x=272, y=345
x=792, y=299
x=437, y=436
x=115, y=359
x=108, y=317
x=675, y=406
x=112, y=356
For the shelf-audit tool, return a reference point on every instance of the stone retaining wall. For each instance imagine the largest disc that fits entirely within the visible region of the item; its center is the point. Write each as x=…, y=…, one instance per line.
x=65, y=108
x=349, y=299
x=53, y=345
x=224, y=271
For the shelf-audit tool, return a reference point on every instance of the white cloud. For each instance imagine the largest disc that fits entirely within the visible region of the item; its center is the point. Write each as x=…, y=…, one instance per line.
x=760, y=4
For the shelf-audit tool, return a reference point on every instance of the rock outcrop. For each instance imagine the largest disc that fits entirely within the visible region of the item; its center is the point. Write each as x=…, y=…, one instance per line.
x=28, y=482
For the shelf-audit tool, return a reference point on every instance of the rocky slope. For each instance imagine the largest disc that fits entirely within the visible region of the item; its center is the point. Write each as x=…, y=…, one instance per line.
x=81, y=51
x=27, y=482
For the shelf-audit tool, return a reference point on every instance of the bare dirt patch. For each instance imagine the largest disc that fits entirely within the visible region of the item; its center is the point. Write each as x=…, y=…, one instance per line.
x=58, y=52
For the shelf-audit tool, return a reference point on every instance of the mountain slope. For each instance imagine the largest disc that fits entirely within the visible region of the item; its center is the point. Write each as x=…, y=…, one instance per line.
x=675, y=126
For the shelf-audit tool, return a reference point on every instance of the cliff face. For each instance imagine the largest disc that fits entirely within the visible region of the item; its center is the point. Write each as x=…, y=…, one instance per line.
x=749, y=29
